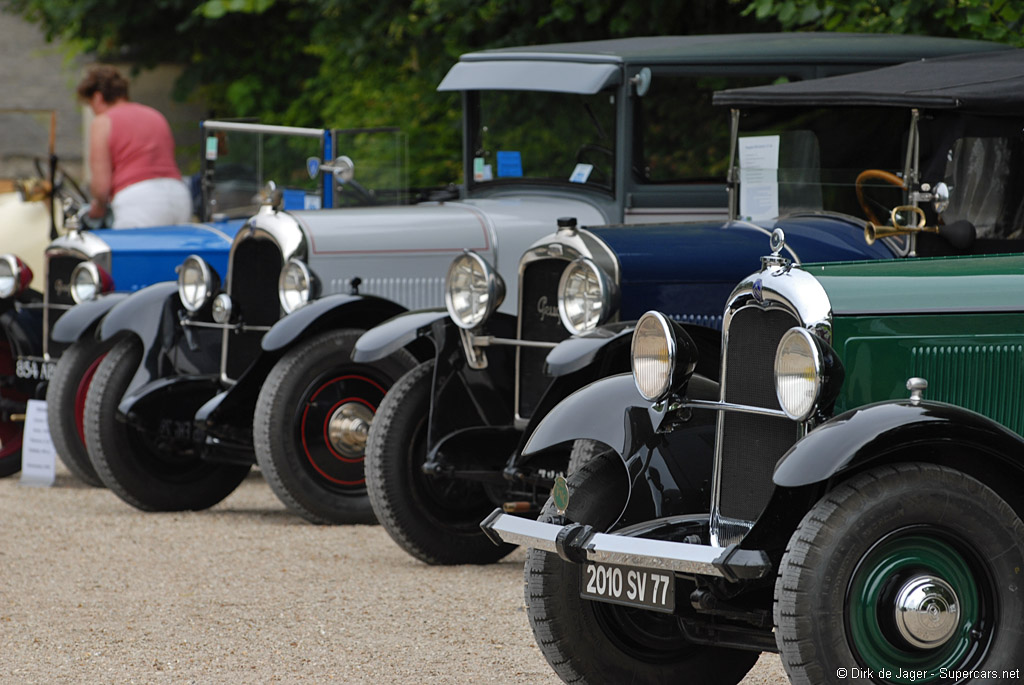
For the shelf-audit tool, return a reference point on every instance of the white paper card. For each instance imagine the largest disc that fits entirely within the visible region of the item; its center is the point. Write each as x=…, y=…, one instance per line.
x=581, y=173
x=38, y=456
x=759, y=177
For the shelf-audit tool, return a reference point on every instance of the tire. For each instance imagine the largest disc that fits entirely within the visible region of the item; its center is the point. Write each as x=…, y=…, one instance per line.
x=583, y=450
x=865, y=543
x=595, y=642
x=10, y=431
x=65, y=405
x=320, y=479
x=144, y=468
x=433, y=518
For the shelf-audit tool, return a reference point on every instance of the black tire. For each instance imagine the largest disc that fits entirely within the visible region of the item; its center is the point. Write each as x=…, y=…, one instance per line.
x=320, y=480
x=65, y=405
x=868, y=540
x=141, y=467
x=10, y=431
x=595, y=642
x=434, y=518
x=584, y=450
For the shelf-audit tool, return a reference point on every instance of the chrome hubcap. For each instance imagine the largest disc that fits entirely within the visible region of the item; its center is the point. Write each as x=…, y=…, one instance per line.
x=927, y=612
x=348, y=427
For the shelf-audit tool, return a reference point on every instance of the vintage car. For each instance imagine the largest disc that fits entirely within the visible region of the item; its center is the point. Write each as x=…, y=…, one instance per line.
x=447, y=445
x=86, y=272
x=847, y=494
x=611, y=151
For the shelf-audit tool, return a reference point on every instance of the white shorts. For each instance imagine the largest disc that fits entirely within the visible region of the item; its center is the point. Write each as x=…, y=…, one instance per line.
x=153, y=202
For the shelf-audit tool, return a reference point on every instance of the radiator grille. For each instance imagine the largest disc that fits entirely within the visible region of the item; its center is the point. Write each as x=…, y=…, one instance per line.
x=538, y=320
x=255, y=267
x=984, y=378
x=751, y=445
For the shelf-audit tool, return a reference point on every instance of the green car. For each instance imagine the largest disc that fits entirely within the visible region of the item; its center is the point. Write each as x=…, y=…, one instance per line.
x=848, y=493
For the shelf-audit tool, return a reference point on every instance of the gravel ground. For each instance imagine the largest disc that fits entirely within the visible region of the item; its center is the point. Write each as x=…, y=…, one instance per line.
x=94, y=591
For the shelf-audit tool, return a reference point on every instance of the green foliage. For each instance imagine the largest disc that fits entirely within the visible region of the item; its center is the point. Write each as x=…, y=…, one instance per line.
x=995, y=20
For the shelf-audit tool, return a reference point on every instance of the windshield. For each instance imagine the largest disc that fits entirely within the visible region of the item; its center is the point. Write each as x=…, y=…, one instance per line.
x=794, y=160
x=543, y=136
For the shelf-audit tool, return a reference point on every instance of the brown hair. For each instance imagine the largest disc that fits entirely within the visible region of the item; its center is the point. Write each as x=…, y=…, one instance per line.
x=106, y=80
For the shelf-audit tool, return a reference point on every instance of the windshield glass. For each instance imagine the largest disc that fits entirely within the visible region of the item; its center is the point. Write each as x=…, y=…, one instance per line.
x=547, y=137
x=795, y=160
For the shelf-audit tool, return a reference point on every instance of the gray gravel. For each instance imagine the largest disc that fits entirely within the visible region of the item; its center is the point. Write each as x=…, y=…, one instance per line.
x=93, y=591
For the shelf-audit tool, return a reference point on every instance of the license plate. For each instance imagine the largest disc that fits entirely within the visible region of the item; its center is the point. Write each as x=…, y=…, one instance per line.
x=34, y=369
x=629, y=585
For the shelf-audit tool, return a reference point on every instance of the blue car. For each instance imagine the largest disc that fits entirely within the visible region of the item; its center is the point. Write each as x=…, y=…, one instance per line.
x=86, y=272
x=843, y=183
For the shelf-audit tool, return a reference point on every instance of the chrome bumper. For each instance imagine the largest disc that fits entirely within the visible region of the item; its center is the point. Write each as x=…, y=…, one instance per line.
x=578, y=543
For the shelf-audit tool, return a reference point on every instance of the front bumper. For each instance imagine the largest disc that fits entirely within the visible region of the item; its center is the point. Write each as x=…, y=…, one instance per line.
x=579, y=543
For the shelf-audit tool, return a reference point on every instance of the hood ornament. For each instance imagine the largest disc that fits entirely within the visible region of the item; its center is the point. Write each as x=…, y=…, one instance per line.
x=777, y=244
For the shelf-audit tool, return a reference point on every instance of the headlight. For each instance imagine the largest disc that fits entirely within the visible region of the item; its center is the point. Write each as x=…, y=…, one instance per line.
x=663, y=356
x=295, y=286
x=88, y=281
x=221, y=308
x=196, y=282
x=800, y=372
x=584, y=296
x=14, y=275
x=473, y=290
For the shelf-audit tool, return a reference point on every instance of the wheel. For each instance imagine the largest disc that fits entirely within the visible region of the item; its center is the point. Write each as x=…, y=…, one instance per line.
x=311, y=421
x=434, y=518
x=911, y=567
x=874, y=175
x=10, y=431
x=151, y=469
x=586, y=641
x=584, y=450
x=65, y=405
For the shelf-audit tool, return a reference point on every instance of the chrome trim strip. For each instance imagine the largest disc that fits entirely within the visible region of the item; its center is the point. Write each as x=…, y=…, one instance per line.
x=662, y=555
x=487, y=340
x=212, y=125
x=729, y=406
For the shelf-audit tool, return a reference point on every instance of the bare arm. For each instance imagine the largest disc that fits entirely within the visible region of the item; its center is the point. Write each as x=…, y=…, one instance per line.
x=100, y=168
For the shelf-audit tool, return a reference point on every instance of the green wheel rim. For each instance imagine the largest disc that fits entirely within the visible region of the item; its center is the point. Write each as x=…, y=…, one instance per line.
x=870, y=606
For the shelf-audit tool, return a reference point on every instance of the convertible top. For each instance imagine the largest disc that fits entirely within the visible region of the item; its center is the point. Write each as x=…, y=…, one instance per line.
x=991, y=83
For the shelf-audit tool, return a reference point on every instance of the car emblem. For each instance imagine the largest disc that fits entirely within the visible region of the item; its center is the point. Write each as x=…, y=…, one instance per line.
x=758, y=295
x=560, y=495
x=313, y=166
x=545, y=310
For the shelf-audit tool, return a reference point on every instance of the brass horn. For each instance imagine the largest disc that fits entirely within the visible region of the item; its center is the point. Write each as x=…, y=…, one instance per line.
x=873, y=231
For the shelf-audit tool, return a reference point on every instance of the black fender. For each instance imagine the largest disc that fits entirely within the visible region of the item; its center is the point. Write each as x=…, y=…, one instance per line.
x=332, y=311
x=935, y=431
x=168, y=348
x=83, y=317
x=396, y=333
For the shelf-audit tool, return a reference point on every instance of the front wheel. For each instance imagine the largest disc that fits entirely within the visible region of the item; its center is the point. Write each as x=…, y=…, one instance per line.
x=435, y=518
x=65, y=402
x=912, y=572
x=157, y=467
x=588, y=641
x=312, y=417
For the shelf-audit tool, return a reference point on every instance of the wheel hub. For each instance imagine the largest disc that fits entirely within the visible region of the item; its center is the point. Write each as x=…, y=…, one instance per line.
x=348, y=427
x=927, y=611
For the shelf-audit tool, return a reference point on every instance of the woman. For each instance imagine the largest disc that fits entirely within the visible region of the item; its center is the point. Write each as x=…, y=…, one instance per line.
x=131, y=157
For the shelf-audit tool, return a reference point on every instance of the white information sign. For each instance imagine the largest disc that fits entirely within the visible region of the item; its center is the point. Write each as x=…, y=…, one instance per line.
x=759, y=177
x=38, y=456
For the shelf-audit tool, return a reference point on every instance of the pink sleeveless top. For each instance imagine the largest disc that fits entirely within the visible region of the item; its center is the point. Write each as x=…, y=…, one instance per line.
x=141, y=145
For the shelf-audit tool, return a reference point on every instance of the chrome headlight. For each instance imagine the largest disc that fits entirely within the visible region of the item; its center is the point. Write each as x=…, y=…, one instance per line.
x=295, y=286
x=196, y=282
x=473, y=290
x=14, y=276
x=808, y=374
x=584, y=296
x=663, y=356
x=221, y=308
x=88, y=281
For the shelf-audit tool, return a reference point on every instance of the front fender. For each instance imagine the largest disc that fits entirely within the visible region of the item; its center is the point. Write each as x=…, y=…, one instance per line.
x=580, y=351
x=355, y=311
x=81, y=318
x=873, y=432
x=395, y=333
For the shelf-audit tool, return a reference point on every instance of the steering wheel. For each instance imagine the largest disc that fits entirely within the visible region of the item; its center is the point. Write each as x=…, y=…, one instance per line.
x=63, y=184
x=594, y=149
x=874, y=175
